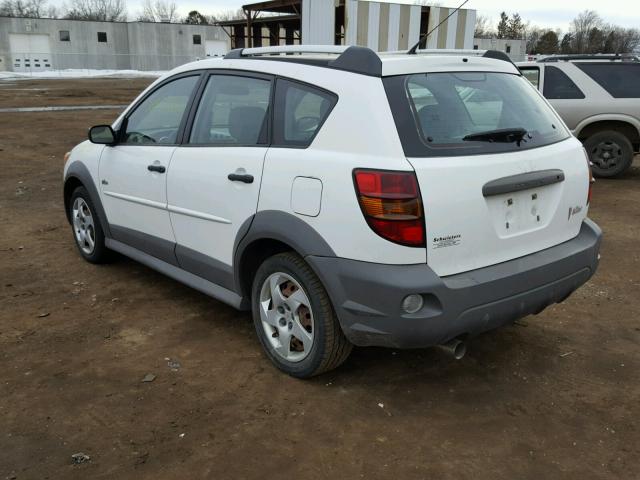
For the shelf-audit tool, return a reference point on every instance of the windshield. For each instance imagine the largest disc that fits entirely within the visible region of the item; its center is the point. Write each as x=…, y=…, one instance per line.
x=444, y=114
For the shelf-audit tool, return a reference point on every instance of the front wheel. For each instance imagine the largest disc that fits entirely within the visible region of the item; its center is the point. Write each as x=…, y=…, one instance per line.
x=86, y=226
x=610, y=153
x=294, y=319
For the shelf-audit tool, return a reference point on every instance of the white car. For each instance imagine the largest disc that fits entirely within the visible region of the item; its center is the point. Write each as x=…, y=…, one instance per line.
x=345, y=197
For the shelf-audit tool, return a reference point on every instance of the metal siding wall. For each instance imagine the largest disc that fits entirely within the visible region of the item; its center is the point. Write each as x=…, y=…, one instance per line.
x=469, y=29
x=351, y=22
x=383, y=37
x=394, y=27
x=414, y=25
x=318, y=22
x=434, y=19
x=362, y=25
x=452, y=27
x=373, y=25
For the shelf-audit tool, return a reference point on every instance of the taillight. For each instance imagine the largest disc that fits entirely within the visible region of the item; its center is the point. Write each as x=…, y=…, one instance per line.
x=391, y=204
x=591, y=179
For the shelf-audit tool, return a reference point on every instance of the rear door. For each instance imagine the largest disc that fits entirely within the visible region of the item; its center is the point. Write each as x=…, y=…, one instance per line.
x=491, y=198
x=215, y=175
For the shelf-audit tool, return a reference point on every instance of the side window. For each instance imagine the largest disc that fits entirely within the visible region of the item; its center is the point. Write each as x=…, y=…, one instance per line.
x=233, y=111
x=621, y=80
x=300, y=111
x=157, y=119
x=557, y=85
x=532, y=74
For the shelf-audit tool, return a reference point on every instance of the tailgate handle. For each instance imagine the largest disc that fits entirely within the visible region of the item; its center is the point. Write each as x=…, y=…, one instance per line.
x=522, y=181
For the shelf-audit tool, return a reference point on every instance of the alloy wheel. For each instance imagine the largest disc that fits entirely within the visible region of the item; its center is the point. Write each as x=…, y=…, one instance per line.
x=83, y=226
x=287, y=318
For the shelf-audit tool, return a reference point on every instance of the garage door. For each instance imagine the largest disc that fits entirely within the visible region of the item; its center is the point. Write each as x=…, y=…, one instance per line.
x=30, y=52
x=216, y=48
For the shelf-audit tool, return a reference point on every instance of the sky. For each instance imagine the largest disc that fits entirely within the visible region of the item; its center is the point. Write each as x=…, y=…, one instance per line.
x=543, y=13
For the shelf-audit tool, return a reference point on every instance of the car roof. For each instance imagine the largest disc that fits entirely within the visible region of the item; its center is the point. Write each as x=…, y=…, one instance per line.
x=362, y=60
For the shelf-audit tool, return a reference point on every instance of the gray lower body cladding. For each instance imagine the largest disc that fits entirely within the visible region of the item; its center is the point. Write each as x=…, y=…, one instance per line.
x=367, y=296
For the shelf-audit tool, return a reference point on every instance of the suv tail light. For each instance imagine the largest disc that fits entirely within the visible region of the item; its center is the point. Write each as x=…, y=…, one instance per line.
x=391, y=204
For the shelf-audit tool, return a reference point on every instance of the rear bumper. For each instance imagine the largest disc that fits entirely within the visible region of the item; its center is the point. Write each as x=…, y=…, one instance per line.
x=367, y=296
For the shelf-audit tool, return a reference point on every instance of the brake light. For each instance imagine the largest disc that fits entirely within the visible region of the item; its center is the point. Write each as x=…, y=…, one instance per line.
x=591, y=179
x=391, y=204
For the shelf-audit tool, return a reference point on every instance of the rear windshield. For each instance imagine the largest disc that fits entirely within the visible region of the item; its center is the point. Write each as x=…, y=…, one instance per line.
x=621, y=80
x=442, y=114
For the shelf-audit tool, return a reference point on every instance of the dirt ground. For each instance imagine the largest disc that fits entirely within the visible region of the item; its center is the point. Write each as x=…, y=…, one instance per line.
x=556, y=396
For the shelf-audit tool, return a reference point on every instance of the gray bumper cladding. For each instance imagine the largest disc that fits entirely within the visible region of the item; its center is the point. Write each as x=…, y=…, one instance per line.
x=367, y=296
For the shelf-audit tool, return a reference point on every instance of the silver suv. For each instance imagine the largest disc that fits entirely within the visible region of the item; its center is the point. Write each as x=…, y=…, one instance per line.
x=598, y=97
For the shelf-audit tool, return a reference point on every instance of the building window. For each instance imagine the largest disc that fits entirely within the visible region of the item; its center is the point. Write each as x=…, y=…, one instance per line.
x=102, y=37
x=197, y=40
x=64, y=36
x=475, y=47
x=508, y=49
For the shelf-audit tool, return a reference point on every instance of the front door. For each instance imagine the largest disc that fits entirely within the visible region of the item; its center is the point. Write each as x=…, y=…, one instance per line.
x=133, y=172
x=215, y=175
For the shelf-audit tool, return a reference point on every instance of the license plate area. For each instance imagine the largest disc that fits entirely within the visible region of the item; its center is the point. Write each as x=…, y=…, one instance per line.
x=516, y=213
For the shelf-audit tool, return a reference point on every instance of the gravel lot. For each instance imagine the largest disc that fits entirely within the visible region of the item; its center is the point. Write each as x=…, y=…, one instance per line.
x=556, y=396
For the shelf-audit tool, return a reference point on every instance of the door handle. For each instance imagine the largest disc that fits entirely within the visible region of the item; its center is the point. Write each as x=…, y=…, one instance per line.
x=240, y=177
x=156, y=168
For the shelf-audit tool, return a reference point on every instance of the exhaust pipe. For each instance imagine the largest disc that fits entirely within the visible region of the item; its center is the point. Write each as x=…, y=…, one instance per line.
x=456, y=348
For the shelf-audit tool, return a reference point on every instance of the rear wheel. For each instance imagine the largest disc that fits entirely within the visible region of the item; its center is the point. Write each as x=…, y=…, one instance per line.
x=611, y=153
x=294, y=319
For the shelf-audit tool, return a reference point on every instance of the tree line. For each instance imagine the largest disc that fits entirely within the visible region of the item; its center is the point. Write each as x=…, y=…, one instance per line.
x=588, y=33
x=111, y=11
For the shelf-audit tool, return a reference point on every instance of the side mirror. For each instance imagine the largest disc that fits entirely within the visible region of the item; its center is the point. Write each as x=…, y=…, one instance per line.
x=102, y=134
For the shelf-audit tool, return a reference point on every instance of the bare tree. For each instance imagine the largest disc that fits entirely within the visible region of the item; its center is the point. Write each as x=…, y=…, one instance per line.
x=228, y=15
x=25, y=8
x=483, y=27
x=100, y=10
x=581, y=26
x=159, y=11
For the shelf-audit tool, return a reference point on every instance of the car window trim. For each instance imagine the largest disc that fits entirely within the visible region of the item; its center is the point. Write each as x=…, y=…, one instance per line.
x=122, y=128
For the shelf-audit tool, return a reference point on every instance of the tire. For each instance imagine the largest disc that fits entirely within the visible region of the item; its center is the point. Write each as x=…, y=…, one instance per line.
x=280, y=322
x=610, y=153
x=86, y=228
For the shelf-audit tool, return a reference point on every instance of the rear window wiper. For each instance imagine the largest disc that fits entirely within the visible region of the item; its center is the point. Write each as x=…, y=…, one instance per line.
x=503, y=135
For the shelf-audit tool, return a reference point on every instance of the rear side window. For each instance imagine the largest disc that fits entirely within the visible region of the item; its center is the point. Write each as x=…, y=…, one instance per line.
x=557, y=85
x=233, y=111
x=300, y=111
x=468, y=113
x=621, y=80
x=532, y=74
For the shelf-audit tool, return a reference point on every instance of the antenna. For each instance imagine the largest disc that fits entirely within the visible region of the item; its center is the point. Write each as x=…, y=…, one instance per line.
x=413, y=49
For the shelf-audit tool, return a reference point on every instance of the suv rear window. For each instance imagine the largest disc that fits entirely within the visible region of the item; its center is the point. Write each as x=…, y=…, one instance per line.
x=435, y=113
x=621, y=80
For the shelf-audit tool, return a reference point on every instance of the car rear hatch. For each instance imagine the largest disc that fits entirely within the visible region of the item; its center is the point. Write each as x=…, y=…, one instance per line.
x=499, y=175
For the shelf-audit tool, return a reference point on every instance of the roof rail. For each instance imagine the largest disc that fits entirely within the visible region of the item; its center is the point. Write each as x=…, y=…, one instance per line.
x=495, y=54
x=354, y=59
x=249, y=52
x=590, y=56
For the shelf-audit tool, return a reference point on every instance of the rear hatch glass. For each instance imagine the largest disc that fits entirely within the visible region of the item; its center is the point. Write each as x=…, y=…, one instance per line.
x=443, y=114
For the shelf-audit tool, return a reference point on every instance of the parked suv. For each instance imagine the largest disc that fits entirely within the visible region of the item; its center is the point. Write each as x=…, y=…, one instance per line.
x=598, y=96
x=345, y=197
